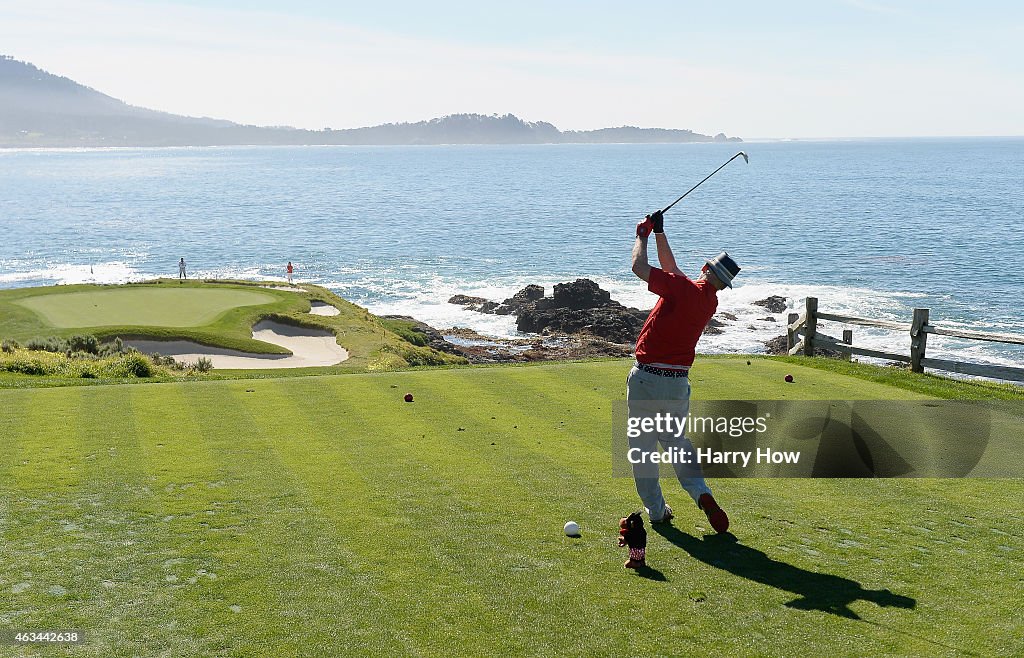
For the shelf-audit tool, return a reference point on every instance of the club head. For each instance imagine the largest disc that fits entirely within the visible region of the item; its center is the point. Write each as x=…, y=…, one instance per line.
x=745, y=158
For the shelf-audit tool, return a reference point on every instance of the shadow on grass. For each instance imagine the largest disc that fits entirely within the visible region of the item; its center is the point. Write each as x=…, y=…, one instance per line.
x=651, y=573
x=816, y=591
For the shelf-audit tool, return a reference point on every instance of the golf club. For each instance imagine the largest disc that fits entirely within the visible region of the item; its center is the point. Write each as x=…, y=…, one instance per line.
x=745, y=159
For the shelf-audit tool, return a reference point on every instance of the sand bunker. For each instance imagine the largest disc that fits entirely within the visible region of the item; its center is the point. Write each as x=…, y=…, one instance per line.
x=309, y=347
x=288, y=288
x=322, y=308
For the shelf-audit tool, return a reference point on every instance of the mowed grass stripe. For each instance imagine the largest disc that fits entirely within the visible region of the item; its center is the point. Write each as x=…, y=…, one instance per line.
x=380, y=543
x=121, y=596
x=763, y=379
x=197, y=510
x=48, y=455
x=90, y=531
x=231, y=539
x=313, y=598
x=530, y=445
x=21, y=529
x=515, y=532
x=851, y=529
x=585, y=491
x=43, y=516
x=951, y=545
x=134, y=569
x=738, y=587
x=948, y=529
x=919, y=538
x=12, y=429
x=596, y=494
x=455, y=502
x=446, y=437
x=567, y=409
x=578, y=477
x=527, y=391
x=478, y=411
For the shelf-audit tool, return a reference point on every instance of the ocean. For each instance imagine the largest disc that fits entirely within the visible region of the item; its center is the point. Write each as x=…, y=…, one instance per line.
x=872, y=228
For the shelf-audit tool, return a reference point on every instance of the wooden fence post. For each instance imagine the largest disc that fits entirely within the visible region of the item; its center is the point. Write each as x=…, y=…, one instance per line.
x=790, y=334
x=811, y=325
x=848, y=339
x=918, y=339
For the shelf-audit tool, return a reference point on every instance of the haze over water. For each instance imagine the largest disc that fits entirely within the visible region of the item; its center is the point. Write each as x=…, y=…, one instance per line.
x=873, y=228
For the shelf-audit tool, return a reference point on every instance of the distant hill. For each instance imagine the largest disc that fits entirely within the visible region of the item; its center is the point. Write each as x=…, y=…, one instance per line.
x=44, y=110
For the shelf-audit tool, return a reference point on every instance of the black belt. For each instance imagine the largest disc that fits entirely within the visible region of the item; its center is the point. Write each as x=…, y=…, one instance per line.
x=661, y=372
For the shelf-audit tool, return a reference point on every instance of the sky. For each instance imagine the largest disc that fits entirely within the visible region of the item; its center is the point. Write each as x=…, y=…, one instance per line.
x=783, y=69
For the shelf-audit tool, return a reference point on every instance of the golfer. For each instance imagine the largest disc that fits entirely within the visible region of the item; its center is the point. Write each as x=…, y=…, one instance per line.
x=289, y=270
x=181, y=270
x=665, y=349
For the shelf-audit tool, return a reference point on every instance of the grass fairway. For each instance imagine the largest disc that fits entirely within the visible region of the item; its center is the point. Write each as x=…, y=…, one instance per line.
x=324, y=516
x=166, y=307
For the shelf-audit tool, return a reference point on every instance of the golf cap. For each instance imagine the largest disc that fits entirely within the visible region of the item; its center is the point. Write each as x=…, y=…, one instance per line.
x=724, y=267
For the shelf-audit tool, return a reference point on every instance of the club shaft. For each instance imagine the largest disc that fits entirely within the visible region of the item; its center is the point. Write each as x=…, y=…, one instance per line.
x=702, y=182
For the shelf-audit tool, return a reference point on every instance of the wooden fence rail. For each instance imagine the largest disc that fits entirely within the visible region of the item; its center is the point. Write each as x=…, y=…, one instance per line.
x=802, y=335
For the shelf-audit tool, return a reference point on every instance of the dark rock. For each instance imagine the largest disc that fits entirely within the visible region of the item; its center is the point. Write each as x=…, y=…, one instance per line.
x=530, y=293
x=768, y=318
x=774, y=303
x=473, y=303
x=728, y=316
x=580, y=294
x=523, y=299
x=465, y=300
x=713, y=327
x=579, y=307
x=776, y=346
x=617, y=324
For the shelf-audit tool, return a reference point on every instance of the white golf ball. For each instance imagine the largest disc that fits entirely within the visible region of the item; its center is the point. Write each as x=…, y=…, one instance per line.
x=572, y=529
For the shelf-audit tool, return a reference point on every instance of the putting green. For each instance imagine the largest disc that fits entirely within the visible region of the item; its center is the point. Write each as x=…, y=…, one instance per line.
x=162, y=307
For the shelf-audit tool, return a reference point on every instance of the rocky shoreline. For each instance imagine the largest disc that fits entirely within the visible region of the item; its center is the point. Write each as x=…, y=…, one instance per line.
x=579, y=320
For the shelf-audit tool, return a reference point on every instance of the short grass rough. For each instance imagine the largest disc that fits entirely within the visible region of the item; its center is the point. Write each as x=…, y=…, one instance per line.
x=325, y=516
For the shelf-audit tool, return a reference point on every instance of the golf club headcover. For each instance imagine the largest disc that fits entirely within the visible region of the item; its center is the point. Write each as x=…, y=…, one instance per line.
x=633, y=535
x=643, y=229
x=657, y=221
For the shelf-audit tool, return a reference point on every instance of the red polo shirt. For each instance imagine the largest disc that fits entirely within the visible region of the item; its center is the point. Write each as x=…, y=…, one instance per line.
x=673, y=328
